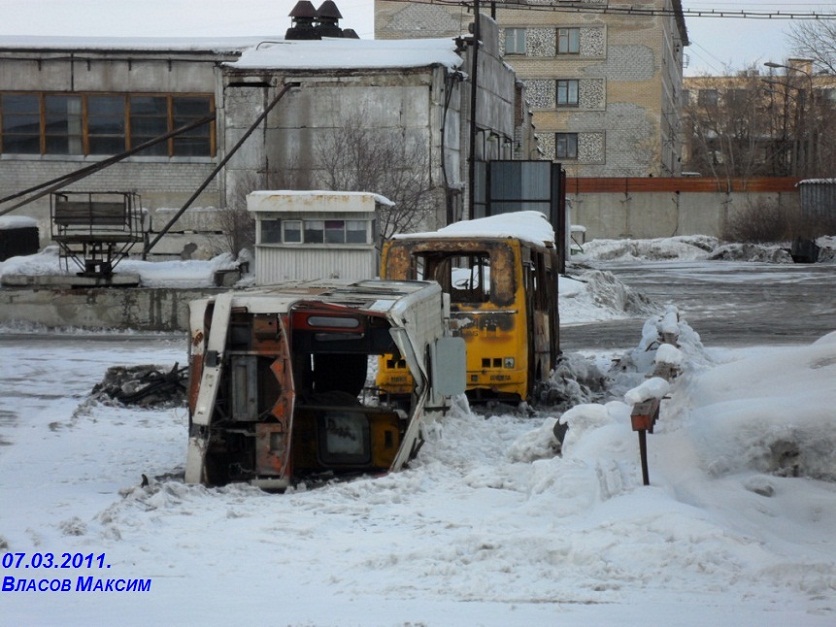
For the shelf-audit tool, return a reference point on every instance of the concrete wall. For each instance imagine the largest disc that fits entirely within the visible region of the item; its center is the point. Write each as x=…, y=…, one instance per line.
x=142, y=309
x=647, y=215
x=392, y=108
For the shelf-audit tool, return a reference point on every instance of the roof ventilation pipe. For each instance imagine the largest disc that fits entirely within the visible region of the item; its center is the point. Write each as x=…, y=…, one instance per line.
x=303, y=22
x=328, y=18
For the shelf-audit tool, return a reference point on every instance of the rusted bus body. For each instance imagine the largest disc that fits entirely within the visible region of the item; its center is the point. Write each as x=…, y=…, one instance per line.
x=502, y=284
x=277, y=376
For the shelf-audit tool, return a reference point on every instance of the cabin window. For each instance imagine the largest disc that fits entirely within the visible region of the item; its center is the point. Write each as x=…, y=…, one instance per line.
x=275, y=231
x=271, y=232
x=314, y=231
x=292, y=231
x=334, y=232
x=356, y=232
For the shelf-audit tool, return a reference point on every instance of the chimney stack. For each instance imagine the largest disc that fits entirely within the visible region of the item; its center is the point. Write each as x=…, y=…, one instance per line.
x=310, y=23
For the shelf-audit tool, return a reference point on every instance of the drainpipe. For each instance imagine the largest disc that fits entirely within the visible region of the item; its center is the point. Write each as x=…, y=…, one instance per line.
x=474, y=71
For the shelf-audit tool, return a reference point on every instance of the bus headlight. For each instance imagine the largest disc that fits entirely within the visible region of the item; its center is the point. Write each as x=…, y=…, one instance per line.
x=508, y=362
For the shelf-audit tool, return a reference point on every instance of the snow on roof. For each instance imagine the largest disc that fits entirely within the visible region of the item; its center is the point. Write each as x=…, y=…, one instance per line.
x=144, y=44
x=817, y=182
x=350, y=53
x=312, y=200
x=529, y=226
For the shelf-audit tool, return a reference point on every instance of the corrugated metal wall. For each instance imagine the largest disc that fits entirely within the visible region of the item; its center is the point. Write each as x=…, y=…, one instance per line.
x=818, y=198
x=273, y=264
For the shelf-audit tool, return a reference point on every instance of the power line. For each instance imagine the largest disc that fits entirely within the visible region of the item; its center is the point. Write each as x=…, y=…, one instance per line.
x=578, y=7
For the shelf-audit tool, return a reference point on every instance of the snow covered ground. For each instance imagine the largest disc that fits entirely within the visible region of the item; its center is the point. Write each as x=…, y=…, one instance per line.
x=488, y=526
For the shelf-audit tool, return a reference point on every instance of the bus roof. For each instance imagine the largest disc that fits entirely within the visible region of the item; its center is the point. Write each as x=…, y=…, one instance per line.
x=528, y=226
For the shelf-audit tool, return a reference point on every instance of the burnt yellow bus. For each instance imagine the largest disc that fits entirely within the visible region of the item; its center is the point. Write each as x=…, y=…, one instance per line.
x=501, y=275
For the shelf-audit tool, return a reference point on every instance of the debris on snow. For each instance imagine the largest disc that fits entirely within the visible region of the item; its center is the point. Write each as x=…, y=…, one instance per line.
x=144, y=385
x=774, y=253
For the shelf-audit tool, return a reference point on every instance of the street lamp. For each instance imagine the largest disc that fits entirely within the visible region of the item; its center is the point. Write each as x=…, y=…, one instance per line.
x=806, y=146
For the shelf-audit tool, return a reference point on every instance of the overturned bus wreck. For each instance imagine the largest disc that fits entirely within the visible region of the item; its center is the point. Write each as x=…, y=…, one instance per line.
x=278, y=375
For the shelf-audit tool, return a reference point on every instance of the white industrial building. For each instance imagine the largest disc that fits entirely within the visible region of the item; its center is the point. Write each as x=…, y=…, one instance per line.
x=70, y=105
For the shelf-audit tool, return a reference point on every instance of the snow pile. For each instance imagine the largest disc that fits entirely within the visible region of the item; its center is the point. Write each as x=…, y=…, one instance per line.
x=694, y=248
x=774, y=253
x=591, y=295
x=684, y=247
x=489, y=525
x=770, y=415
x=189, y=273
x=652, y=388
x=579, y=379
x=579, y=382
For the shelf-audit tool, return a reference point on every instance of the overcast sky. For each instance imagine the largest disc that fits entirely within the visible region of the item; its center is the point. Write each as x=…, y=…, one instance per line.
x=715, y=43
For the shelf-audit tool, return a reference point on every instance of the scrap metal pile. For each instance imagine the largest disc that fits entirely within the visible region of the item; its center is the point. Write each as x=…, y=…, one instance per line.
x=144, y=385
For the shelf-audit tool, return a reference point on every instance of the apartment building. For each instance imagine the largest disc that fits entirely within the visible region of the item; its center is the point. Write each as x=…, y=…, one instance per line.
x=604, y=79
x=773, y=120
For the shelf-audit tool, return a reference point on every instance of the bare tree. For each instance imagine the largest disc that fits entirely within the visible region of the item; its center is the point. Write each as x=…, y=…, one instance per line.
x=357, y=157
x=728, y=122
x=237, y=223
x=815, y=40
x=815, y=43
x=763, y=221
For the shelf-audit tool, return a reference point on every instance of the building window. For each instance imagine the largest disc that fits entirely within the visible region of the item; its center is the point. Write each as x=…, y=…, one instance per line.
x=185, y=111
x=566, y=146
x=149, y=119
x=568, y=40
x=708, y=97
x=737, y=97
x=567, y=93
x=21, y=115
x=63, y=125
x=104, y=124
x=514, y=41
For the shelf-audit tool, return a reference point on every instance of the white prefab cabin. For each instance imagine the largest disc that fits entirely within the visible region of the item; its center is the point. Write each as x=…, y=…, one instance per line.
x=309, y=235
